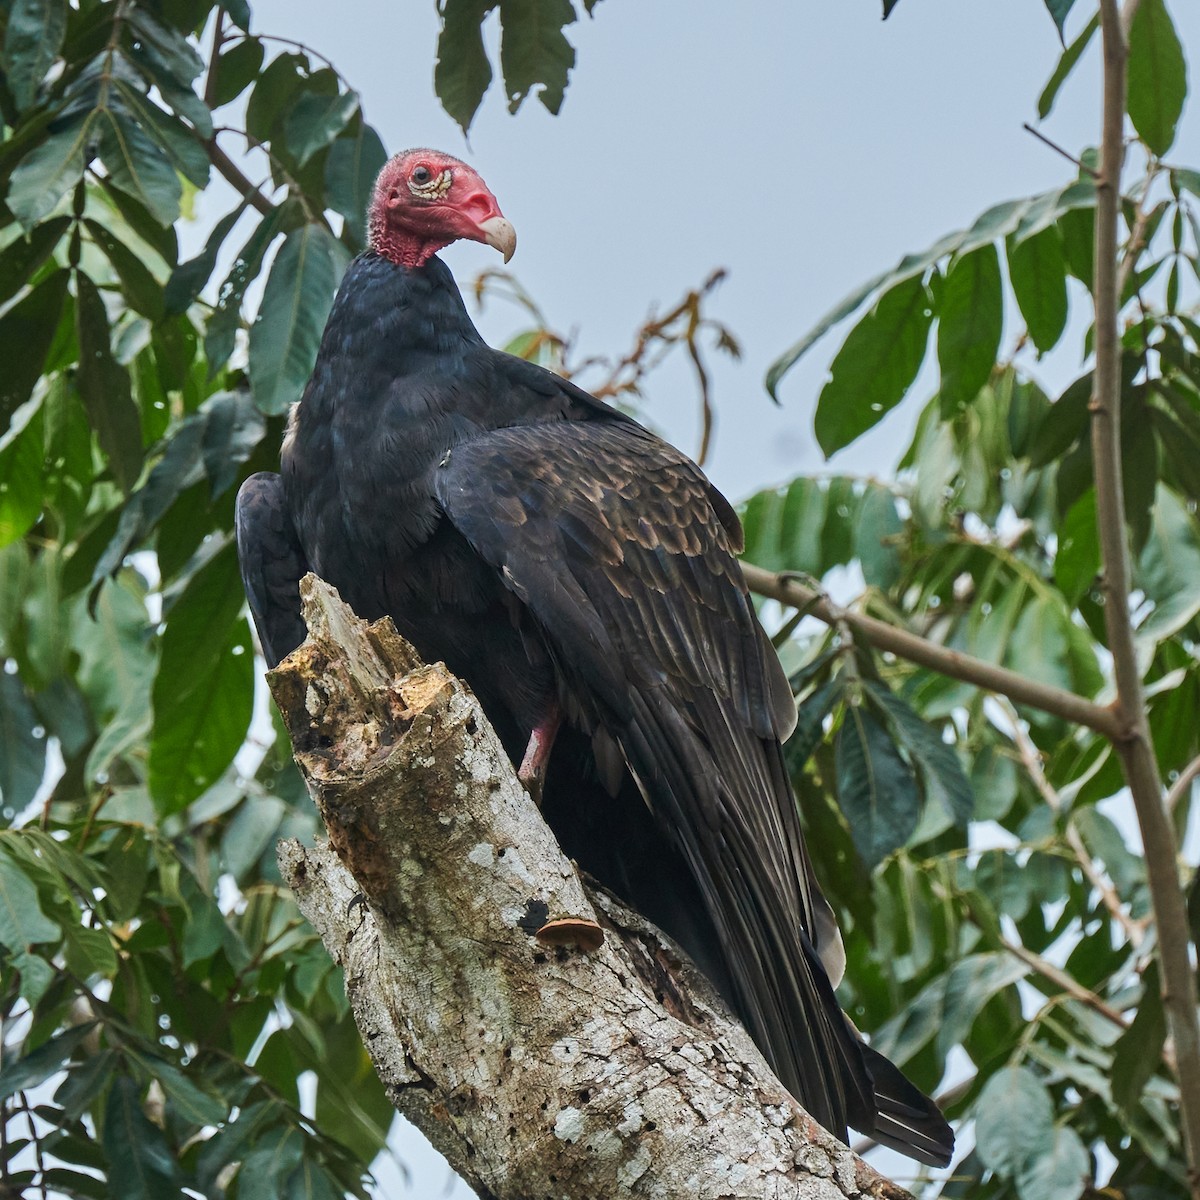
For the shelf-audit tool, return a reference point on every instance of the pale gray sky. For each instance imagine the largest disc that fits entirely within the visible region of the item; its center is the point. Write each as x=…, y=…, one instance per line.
x=804, y=146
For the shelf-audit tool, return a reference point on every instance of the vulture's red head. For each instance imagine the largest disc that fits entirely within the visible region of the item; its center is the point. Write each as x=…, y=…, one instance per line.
x=425, y=200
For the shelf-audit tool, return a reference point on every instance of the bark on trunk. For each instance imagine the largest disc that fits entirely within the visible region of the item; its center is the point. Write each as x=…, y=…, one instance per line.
x=540, y=1069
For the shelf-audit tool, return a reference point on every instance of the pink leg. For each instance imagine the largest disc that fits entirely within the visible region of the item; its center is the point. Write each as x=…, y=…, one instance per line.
x=532, y=772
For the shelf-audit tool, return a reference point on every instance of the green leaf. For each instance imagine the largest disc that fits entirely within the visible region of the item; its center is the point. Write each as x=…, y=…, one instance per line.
x=351, y=1104
x=46, y=174
x=189, y=278
x=22, y=922
x=162, y=240
x=1026, y=410
x=138, y=1154
x=22, y=744
x=1022, y=218
x=1078, y=229
x=195, y=1102
x=970, y=321
x=1105, y=842
x=203, y=691
x=875, y=365
x=181, y=98
x=1066, y=64
x=1077, y=560
x=462, y=74
x=1014, y=1121
x=810, y=724
x=1139, y=450
x=31, y=44
x=1157, y=76
x=237, y=68
x=875, y=787
x=783, y=528
x=221, y=332
x=534, y=50
x=835, y=316
x=1064, y=423
x=1062, y=1173
x=310, y=1182
x=180, y=56
x=137, y=165
x=213, y=441
x=1168, y=569
x=180, y=147
x=1039, y=279
x=26, y=333
x=233, y=429
x=1058, y=9
x=239, y=13
x=350, y=172
x=22, y=257
x=877, y=534
x=1138, y=1052
x=947, y=1007
x=22, y=462
x=1045, y=645
x=142, y=291
x=276, y=90
x=315, y=120
x=1179, y=443
x=105, y=388
x=116, y=669
x=942, y=773
x=291, y=319
x=37, y=1066
x=89, y=952
x=276, y=1153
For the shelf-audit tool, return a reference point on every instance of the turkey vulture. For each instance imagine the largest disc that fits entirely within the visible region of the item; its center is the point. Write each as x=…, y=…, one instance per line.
x=581, y=575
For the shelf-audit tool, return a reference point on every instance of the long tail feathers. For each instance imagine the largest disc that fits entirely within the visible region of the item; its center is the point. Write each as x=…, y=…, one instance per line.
x=907, y=1120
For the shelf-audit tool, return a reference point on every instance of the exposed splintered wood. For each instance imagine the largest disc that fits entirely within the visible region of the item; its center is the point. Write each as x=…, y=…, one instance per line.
x=590, y=1061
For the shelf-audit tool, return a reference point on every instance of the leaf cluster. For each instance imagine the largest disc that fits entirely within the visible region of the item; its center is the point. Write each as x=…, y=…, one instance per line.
x=981, y=852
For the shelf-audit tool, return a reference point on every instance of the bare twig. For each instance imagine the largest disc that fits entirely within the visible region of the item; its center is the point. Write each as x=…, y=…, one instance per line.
x=233, y=174
x=1182, y=784
x=1137, y=234
x=685, y=324
x=1078, y=162
x=992, y=678
x=1136, y=751
x=1031, y=759
x=1072, y=987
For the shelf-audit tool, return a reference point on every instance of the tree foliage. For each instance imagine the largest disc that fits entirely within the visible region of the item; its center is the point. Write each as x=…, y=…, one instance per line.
x=161, y=996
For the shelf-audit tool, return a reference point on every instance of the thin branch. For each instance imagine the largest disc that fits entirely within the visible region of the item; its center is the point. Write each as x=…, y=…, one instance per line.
x=1136, y=751
x=1078, y=162
x=988, y=676
x=1137, y=235
x=277, y=168
x=287, y=41
x=233, y=175
x=1181, y=786
x=1031, y=759
x=1072, y=987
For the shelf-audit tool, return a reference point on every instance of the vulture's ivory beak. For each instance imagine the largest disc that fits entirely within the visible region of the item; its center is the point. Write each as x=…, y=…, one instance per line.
x=500, y=235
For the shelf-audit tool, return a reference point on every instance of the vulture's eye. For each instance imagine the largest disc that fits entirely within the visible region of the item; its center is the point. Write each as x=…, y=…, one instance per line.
x=421, y=175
